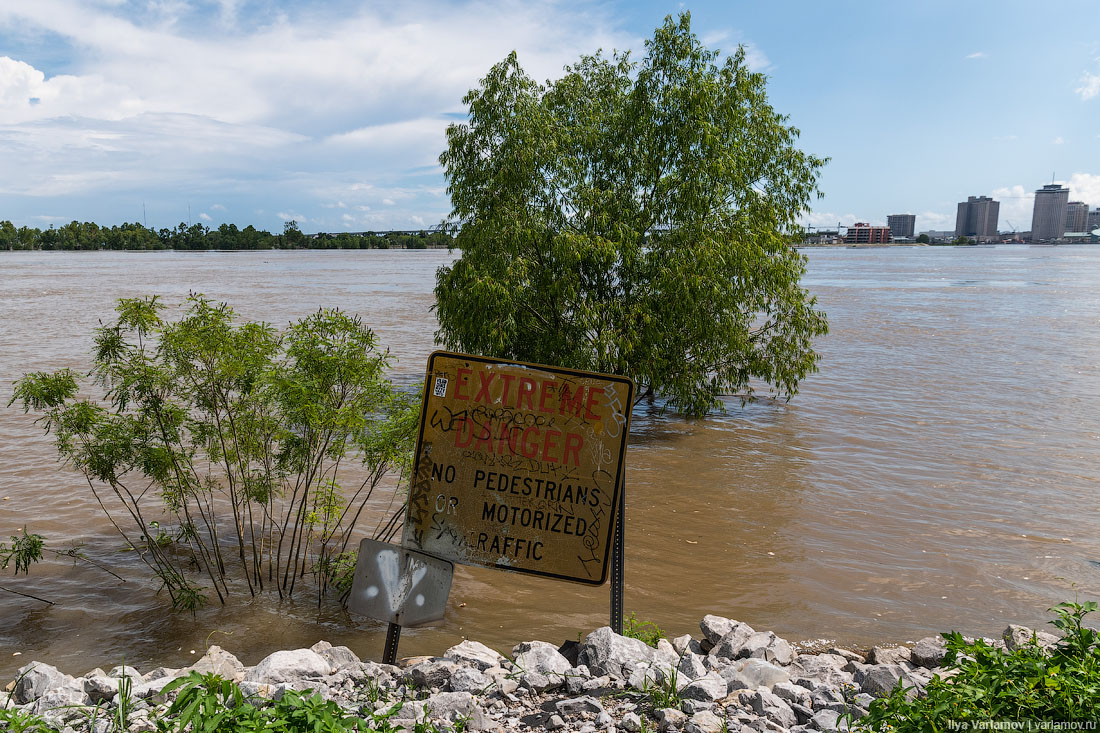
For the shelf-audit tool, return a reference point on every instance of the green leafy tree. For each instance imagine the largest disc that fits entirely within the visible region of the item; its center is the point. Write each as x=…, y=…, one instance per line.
x=293, y=235
x=633, y=218
x=923, y=239
x=231, y=447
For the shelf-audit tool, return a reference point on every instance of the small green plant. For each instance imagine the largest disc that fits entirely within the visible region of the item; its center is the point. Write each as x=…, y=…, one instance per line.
x=207, y=702
x=664, y=693
x=373, y=691
x=646, y=631
x=1029, y=683
x=23, y=551
x=124, y=702
x=19, y=721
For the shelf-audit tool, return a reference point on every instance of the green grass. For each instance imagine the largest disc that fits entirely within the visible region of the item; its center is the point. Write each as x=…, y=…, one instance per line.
x=1027, y=684
x=18, y=721
x=646, y=631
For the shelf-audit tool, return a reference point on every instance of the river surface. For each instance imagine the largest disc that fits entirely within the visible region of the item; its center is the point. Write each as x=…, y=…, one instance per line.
x=941, y=472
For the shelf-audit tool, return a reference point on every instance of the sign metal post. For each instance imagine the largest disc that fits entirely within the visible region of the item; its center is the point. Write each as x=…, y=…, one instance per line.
x=618, y=553
x=393, y=635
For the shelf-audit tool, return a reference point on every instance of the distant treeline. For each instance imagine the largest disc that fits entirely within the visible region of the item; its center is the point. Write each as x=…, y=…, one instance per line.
x=90, y=236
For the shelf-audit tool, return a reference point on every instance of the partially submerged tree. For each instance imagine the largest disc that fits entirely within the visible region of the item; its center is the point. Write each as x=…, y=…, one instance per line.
x=635, y=219
x=231, y=448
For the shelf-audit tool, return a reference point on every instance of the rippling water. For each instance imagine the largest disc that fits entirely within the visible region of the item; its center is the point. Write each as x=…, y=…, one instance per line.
x=941, y=471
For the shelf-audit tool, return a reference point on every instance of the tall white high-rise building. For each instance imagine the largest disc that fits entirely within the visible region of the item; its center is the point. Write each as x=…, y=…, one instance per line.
x=901, y=225
x=1077, y=216
x=1094, y=220
x=1048, y=218
x=977, y=217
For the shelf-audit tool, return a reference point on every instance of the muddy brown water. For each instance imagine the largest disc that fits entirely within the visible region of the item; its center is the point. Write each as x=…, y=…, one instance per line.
x=940, y=472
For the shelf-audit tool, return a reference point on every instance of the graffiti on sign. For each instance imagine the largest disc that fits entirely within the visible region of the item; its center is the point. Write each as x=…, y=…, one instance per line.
x=519, y=466
x=397, y=585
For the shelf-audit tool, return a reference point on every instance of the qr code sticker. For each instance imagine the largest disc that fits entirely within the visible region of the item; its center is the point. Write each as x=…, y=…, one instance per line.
x=440, y=387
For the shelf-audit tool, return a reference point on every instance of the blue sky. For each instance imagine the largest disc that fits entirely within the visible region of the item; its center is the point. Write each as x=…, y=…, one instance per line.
x=333, y=113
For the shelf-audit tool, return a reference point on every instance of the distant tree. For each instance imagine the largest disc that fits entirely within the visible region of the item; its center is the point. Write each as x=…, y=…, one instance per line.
x=633, y=218
x=9, y=236
x=923, y=239
x=292, y=235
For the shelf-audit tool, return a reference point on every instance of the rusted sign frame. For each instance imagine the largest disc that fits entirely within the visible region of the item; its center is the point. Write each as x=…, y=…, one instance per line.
x=423, y=464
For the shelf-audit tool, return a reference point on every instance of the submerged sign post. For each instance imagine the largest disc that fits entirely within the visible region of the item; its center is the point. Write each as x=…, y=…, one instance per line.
x=519, y=466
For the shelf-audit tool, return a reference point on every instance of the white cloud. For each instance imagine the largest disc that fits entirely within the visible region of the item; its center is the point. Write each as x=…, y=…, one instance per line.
x=828, y=220
x=305, y=104
x=1085, y=187
x=927, y=220
x=205, y=217
x=73, y=155
x=1016, y=207
x=976, y=55
x=291, y=217
x=1090, y=85
x=1057, y=141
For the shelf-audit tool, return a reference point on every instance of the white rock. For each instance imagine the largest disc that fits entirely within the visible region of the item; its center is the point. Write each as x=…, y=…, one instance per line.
x=434, y=672
x=691, y=666
x=542, y=658
x=824, y=668
x=767, y=646
x=708, y=688
x=100, y=688
x=606, y=652
x=704, y=721
x=124, y=670
x=471, y=679
x=475, y=654
x=217, y=661
x=889, y=655
x=791, y=693
x=715, y=627
x=1017, y=636
x=577, y=705
x=631, y=722
x=149, y=689
x=670, y=719
x=929, y=652
x=338, y=657
x=772, y=707
x=58, y=701
x=451, y=706
x=666, y=655
x=730, y=645
x=285, y=666
x=758, y=673
x=34, y=679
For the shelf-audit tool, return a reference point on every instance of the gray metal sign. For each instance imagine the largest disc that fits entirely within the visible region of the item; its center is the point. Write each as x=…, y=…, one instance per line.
x=398, y=585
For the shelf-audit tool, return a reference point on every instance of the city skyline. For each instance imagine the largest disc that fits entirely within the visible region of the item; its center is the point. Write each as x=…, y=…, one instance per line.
x=333, y=114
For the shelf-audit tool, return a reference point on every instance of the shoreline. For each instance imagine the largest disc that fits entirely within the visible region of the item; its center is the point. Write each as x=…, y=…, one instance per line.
x=728, y=677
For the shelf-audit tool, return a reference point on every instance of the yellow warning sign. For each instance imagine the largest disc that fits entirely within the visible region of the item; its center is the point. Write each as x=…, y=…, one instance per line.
x=519, y=466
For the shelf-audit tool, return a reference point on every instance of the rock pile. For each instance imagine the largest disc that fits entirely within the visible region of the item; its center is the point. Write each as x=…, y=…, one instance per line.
x=732, y=678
